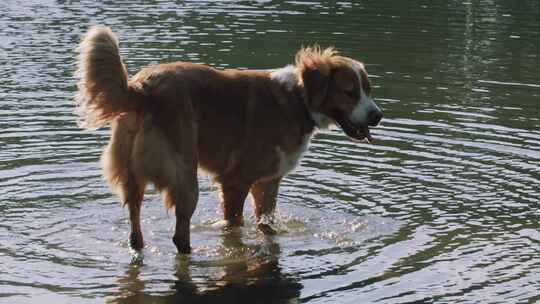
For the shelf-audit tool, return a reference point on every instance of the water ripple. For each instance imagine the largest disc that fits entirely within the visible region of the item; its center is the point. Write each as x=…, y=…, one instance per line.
x=442, y=208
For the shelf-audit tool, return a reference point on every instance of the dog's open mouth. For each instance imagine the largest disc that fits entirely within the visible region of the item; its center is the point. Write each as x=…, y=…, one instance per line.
x=352, y=130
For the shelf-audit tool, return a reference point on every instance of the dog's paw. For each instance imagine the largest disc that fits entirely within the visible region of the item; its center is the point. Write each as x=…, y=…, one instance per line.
x=266, y=229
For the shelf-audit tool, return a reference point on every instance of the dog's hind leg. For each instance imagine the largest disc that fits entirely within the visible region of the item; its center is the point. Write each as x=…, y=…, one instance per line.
x=264, y=195
x=181, y=238
x=170, y=163
x=181, y=189
x=117, y=164
x=134, y=193
x=184, y=199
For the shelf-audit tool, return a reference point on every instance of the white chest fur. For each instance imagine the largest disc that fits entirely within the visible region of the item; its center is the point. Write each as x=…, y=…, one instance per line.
x=288, y=161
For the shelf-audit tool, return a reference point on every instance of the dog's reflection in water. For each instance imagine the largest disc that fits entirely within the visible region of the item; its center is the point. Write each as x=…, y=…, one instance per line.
x=247, y=274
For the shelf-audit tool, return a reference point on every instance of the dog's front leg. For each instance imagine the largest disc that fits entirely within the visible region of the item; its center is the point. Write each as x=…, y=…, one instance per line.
x=232, y=200
x=264, y=198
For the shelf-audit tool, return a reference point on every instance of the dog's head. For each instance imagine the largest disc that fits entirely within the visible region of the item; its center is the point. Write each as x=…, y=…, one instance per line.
x=338, y=91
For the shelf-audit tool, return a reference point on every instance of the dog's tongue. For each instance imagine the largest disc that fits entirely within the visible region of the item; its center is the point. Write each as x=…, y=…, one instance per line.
x=368, y=135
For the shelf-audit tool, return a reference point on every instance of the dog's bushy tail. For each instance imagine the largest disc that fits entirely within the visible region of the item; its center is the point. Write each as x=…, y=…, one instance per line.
x=103, y=90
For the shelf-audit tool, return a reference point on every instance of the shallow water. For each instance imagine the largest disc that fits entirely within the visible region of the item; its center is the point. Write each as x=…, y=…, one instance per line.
x=443, y=208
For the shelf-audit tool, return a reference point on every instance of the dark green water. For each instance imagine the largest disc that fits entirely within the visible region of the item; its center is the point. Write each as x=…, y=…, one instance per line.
x=444, y=208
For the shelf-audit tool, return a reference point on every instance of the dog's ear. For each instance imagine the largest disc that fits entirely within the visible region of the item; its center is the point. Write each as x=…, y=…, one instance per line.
x=314, y=72
x=316, y=85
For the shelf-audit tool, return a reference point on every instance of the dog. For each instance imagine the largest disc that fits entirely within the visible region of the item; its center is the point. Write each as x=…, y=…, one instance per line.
x=246, y=128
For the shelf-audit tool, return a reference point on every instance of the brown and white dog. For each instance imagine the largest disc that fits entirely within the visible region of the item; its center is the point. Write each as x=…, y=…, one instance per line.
x=247, y=129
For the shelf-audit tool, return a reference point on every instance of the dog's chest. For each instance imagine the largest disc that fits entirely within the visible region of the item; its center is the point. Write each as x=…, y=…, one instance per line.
x=287, y=161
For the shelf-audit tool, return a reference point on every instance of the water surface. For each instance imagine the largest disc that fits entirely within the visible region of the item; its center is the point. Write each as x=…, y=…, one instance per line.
x=443, y=208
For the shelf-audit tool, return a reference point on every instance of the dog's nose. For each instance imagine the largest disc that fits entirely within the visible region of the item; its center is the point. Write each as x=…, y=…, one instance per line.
x=374, y=117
